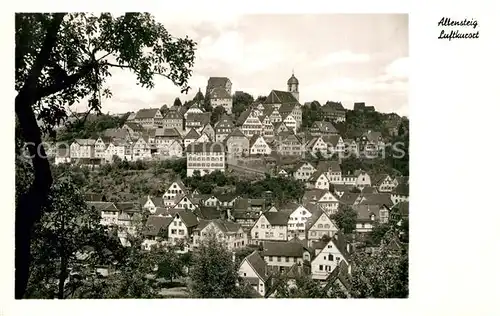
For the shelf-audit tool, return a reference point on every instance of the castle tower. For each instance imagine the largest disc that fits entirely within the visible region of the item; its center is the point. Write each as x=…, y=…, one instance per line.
x=293, y=86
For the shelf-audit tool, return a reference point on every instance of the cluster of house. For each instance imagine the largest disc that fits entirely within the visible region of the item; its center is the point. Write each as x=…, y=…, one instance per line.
x=293, y=237
x=271, y=126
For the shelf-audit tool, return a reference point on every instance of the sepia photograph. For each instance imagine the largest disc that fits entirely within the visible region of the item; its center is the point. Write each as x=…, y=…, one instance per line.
x=244, y=156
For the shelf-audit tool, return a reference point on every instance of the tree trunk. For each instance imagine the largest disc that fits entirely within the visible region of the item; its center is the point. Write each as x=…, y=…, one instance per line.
x=30, y=204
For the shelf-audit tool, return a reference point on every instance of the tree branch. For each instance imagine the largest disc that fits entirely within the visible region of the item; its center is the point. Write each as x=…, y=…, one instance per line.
x=31, y=82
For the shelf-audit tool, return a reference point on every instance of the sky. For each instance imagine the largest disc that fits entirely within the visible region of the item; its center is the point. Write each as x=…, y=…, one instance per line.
x=338, y=57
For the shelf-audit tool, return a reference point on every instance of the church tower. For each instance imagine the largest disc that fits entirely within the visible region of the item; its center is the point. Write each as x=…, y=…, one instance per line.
x=293, y=86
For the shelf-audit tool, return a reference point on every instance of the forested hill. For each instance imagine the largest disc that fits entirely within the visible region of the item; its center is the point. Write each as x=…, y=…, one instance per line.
x=90, y=127
x=357, y=122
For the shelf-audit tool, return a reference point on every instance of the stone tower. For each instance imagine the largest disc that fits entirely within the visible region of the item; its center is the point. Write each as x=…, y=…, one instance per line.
x=293, y=86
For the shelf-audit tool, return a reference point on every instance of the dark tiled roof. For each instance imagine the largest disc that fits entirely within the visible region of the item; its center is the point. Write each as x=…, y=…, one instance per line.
x=102, y=206
x=172, y=114
x=205, y=147
x=146, y=113
x=188, y=218
x=167, y=132
x=136, y=127
x=279, y=218
x=192, y=134
x=208, y=213
x=277, y=96
x=203, y=118
x=258, y=264
x=285, y=249
x=155, y=223
x=314, y=194
x=217, y=82
x=220, y=93
x=325, y=127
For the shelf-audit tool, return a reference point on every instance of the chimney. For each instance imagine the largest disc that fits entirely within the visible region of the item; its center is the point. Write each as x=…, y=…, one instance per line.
x=349, y=268
x=335, y=236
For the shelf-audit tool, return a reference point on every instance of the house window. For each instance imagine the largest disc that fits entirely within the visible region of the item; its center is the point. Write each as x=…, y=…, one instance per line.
x=279, y=259
x=270, y=258
x=244, y=274
x=320, y=267
x=330, y=257
x=287, y=259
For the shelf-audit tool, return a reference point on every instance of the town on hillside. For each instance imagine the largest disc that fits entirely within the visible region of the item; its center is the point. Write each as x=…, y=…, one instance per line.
x=295, y=192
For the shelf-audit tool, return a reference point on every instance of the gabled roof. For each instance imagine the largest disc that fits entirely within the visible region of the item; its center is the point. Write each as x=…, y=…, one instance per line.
x=146, y=113
x=224, y=122
x=376, y=199
x=348, y=198
x=219, y=93
x=279, y=218
x=155, y=223
x=336, y=106
x=341, y=274
x=207, y=213
x=277, y=96
x=217, y=82
x=180, y=184
x=102, y=206
x=325, y=127
x=192, y=134
x=254, y=139
x=340, y=241
x=203, y=118
x=378, y=179
x=173, y=115
x=136, y=127
x=314, y=194
x=226, y=227
x=236, y=133
x=342, y=187
x=227, y=197
x=300, y=164
x=187, y=217
x=365, y=212
x=258, y=264
x=332, y=140
x=316, y=175
x=283, y=249
x=286, y=109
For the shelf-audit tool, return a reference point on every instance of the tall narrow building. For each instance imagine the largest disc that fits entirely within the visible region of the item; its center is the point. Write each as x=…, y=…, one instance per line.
x=293, y=86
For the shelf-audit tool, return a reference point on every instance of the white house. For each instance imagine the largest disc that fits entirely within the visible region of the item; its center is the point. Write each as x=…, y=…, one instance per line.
x=297, y=222
x=174, y=190
x=332, y=254
x=254, y=270
x=205, y=157
x=228, y=233
x=270, y=226
x=323, y=198
x=303, y=171
x=320, y=225
x=258, y=146
x=82, y=148
x=181, y=227
x=319, y=180
x=281, y=255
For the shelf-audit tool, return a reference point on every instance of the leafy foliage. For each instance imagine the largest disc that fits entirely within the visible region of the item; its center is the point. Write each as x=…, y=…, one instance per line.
x=380, y=275
x=241, y=102
x=283, y=189
x=346, y=219
x=214, y=274
x=68, y=239
x=62, y=59
x=312, y=114
x=217, y=114
x=90, y=128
